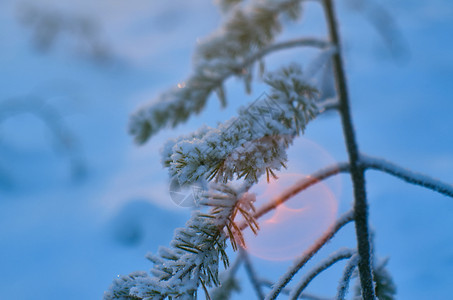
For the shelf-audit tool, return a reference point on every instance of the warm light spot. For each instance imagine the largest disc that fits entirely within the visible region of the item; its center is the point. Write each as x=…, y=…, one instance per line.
x=306, y=156
x=283, y=212
x=293, y=226
x=181, y=85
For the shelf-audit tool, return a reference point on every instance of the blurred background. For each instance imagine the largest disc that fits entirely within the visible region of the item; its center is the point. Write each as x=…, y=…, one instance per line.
x=81, y=204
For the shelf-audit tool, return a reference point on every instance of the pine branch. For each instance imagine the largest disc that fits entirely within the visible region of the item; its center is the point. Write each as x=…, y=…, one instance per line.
x=195, y=252
x=254, y=142
x=357, y=172
x=244, y=148
x=300, y=262
x=409, y=176
x=347, y=274
x=325, y=264
x=224, y=54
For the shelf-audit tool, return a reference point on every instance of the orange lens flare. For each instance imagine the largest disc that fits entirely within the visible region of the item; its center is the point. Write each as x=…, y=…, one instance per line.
x=306, y=156
x=293, y=226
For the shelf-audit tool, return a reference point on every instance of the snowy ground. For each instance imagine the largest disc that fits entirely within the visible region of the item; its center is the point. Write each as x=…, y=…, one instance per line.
x=72, y=218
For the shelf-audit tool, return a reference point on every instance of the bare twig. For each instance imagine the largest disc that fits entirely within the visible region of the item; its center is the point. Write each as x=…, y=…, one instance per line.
x=252, y=58
x=357, y=172
x=327, y=263
x=301, y=42
x=227, y=276
x=409, y=176
x=299, y=263
x=328, y=104
x=347, y=273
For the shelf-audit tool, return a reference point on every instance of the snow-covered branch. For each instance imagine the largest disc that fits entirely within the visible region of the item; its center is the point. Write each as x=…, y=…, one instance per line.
x=251, y=144
x=177, y=104
x=347, y=273
x=300, y=42
x=245, y=37
x=325, y=264
x=195, y=253
x=406, y=175
x=246, y=147
x=300, y=262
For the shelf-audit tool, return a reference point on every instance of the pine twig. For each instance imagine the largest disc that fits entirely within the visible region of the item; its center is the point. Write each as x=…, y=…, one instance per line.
x=146, y=128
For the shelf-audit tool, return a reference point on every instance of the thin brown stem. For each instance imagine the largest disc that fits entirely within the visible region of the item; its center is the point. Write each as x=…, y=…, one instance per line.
x=298, y=187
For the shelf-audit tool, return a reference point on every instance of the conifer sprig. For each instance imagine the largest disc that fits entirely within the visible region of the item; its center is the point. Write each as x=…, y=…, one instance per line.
x=227, y=51
x=253, y=143
x=196, y=250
